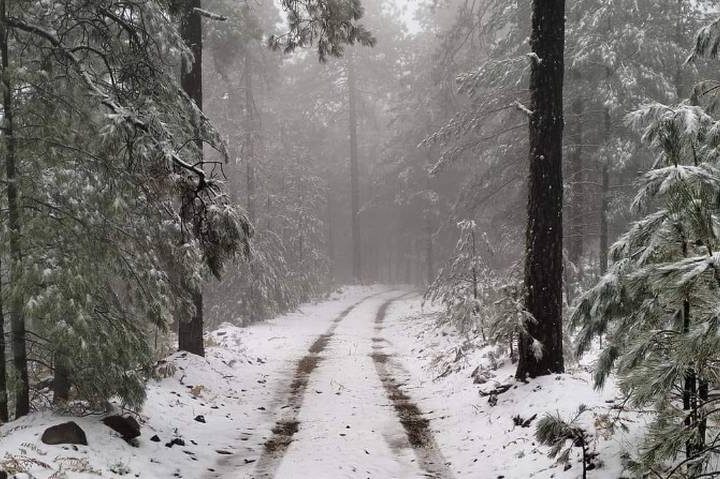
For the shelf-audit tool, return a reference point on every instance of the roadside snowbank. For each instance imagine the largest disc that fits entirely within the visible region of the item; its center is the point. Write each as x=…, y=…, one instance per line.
x=481, y=440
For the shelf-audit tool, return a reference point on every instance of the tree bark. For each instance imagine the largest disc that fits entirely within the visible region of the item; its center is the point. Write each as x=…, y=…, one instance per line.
x=61, y=380
x=190, y=333
x=4, y=416
x=429, y=259
x=250, y=138
x=543, y=261
x=604, y=197
x=354, y=172
x=576, y=203
x=17, y=320
x=604, y=204
x=330, y=231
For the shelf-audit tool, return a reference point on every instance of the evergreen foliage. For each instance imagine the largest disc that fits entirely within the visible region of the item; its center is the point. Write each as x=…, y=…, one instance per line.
x=477, y=299
x=657, y=303
x=117, y=218
x=562, y=436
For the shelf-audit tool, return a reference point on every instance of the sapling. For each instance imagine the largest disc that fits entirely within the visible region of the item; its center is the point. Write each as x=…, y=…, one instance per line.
x=554, y=431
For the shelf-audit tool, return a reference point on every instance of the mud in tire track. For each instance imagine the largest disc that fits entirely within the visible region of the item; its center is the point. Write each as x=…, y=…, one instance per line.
x=414, y=422
x=285, y=428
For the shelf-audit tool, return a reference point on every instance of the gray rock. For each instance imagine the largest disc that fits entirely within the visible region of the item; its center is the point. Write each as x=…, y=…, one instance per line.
x=126, y=426
x=65, y=433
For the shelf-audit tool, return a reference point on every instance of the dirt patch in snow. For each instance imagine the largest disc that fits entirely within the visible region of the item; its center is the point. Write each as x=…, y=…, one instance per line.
x=320, y=343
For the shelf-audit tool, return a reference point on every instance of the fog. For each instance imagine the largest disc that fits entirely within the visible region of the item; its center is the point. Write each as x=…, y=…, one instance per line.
x=359, y=238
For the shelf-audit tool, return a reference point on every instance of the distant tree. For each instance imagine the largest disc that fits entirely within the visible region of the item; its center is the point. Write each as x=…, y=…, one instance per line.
x=354, y=173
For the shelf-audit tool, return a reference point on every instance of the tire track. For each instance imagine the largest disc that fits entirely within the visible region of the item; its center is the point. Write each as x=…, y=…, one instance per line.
x=414, y=422
x=285, y=428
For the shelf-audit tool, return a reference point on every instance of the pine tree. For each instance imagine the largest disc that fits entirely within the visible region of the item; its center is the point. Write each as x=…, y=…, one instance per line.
x=4, y=413
x=543, y=262
x=657, y=303
x=17, y=320
x=190, y=332
x=111, y=212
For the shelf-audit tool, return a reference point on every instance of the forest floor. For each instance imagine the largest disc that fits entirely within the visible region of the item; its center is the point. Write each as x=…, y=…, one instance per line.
x=363, y=385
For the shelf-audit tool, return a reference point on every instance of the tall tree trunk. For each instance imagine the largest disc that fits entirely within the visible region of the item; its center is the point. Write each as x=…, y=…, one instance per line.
x=61, y=380
x=429, y=259
x=543, y=260
x=330, y=231
x=604, y=205
x=4, y=416
x=354, y=172
x=17, y=320
x=190, y=333
x=476, y=307
x=576, y=203
x=689, y=395
x=250, y=138
x=604, y=195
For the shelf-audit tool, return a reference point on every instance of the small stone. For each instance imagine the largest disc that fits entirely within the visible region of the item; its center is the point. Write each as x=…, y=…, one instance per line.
x=175, y=442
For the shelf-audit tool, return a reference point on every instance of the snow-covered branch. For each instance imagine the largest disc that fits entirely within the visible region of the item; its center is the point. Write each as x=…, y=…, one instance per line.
x=210, y=15
x=117, y=110
x=523, y=108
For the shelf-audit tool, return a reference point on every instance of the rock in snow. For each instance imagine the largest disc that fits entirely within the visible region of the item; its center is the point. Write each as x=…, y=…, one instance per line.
x=65, y=433
x=126, y=426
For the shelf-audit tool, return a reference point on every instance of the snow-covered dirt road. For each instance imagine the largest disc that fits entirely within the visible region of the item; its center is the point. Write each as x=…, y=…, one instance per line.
x=344, y=414
x=362, y=385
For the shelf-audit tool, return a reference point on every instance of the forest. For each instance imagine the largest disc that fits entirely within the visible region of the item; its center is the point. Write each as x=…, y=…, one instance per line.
x=375, y=239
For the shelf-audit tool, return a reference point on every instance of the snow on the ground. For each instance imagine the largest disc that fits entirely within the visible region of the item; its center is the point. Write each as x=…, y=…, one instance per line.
x=348, y=416
x=233, y=388
x=347, y=426
x=481, y=440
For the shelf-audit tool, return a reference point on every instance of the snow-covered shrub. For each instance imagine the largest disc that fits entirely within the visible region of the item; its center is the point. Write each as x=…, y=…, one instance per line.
x=479, y=301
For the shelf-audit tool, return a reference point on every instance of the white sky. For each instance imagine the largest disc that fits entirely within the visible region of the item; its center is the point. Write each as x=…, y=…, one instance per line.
x=407, y=9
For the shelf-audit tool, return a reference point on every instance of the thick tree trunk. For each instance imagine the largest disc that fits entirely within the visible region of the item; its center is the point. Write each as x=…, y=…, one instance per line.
x=250, y=138
x=190, y=333
x=17, y=320
x=4, y=416
x=543, y=261
x=354, y=171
